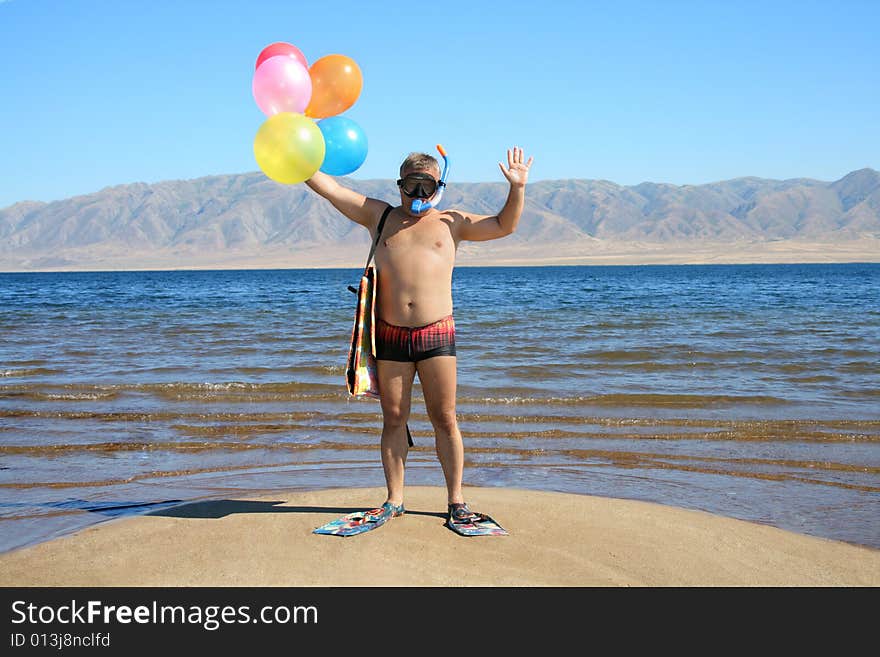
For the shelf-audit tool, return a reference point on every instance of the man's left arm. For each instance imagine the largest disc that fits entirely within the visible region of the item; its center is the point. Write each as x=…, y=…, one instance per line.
x=476, y=228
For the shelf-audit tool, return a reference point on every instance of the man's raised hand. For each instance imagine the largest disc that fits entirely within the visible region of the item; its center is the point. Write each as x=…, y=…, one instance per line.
x=517, y=171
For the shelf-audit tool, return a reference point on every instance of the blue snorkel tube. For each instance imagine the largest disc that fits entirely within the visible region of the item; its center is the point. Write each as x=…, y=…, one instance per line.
x=418, y=205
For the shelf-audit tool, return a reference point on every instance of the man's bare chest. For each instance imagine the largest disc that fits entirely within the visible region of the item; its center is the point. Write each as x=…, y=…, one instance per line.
x=424, y=235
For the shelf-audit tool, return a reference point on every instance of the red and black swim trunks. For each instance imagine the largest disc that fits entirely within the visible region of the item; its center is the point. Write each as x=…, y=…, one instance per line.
x=410, y=345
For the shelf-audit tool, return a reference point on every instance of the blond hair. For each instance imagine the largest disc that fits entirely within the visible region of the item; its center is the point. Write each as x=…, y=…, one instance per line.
x=419, y=162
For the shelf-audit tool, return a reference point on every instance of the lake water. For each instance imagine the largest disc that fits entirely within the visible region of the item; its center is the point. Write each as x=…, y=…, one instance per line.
x=750, y=391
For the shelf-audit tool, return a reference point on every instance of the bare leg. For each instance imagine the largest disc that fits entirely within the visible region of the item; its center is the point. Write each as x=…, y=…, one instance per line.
x=438, y=378
x=395, y=387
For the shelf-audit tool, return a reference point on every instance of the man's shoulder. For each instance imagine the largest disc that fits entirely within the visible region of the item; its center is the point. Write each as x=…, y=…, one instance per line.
x=454, y=214
x=375, y=208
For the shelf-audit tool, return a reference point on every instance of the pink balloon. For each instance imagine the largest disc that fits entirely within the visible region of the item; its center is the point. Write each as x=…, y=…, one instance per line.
x=281, y=48
x=282, y=84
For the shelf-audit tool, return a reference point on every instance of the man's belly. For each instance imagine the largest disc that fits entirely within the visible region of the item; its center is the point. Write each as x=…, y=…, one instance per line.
x=412, y=298
x=404, y=310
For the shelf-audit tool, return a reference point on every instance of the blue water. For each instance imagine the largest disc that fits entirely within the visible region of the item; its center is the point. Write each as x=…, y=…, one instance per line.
x=751, y=391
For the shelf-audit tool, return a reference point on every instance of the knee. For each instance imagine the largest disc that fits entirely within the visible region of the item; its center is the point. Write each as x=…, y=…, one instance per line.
x=444, y=421
x=395, y=417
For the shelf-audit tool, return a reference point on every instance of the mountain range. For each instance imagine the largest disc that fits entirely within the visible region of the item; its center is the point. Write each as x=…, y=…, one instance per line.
x=248, y=221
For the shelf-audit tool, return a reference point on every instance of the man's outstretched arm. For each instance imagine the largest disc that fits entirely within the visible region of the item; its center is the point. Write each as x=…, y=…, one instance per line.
x=481, y=228
x=355, y=206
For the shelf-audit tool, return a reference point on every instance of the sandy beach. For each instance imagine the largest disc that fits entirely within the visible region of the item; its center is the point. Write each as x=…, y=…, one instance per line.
x=594, y=252
x=555, y=540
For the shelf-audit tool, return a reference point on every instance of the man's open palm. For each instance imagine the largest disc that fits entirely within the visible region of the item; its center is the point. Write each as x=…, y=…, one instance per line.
x=517, y=171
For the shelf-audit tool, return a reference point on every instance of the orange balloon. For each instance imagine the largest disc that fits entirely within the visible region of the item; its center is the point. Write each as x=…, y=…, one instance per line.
x=336, y=85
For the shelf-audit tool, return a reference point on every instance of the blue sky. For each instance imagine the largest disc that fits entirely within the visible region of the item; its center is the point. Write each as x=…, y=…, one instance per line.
x=98, y=93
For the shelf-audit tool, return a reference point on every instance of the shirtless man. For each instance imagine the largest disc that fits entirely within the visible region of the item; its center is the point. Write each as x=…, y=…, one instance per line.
x=415, y=331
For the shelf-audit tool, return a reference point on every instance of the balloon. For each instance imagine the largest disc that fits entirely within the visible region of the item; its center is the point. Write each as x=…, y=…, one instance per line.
x=282, y=84
x=289, y=148
x=346, y=145
x=336, y=85
x=281, y=48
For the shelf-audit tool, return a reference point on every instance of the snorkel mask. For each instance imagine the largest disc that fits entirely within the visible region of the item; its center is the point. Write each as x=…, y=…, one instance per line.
x=423, y=189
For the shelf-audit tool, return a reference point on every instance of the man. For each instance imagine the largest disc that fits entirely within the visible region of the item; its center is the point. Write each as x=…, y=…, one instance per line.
x=415, y=330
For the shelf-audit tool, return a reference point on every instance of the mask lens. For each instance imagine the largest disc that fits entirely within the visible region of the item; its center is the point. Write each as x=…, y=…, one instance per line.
x=419, y=186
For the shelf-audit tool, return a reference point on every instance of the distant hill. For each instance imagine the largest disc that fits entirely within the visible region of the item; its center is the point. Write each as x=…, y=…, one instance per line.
x=247, y=220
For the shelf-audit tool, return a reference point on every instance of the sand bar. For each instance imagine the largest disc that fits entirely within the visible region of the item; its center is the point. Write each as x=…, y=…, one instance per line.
x=555, y=540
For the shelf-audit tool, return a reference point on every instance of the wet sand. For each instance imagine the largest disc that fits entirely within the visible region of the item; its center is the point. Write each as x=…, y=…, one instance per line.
x=555, y=540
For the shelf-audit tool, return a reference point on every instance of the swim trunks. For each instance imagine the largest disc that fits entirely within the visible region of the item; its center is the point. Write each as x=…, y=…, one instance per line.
x=410, y=345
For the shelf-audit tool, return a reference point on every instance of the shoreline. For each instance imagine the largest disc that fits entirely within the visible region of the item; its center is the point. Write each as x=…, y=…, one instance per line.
x=556, y=539
x=319, y=257
x=568, y=262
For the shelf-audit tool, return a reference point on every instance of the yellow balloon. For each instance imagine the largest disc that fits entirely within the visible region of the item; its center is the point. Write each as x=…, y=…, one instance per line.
x=289, y=147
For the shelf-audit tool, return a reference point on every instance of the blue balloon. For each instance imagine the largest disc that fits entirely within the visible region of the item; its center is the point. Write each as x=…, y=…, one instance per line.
x=345, y=145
